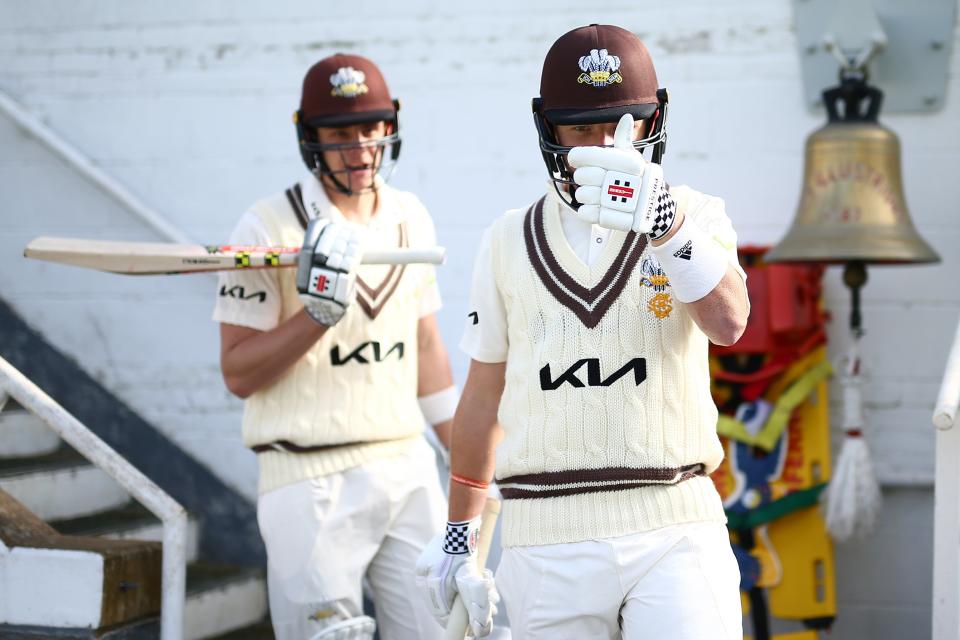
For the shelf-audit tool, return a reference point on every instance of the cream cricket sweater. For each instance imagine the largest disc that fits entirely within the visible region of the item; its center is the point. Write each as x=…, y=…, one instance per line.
x=357, y=386
x=609, y=425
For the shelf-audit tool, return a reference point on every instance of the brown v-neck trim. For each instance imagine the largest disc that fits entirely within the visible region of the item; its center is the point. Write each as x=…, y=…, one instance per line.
x=371, y=307
x=295, y=196
x=373, y=293
x=591, y=304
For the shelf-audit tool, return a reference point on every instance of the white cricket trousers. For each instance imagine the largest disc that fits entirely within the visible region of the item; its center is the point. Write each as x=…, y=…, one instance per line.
x=324, y=535
x=675, y=583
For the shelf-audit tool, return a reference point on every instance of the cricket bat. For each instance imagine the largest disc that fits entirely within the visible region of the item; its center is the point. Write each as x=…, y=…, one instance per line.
x=458, y=622
x=161, y=258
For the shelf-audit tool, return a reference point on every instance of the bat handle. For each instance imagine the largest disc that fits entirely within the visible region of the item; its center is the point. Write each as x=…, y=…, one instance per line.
x=431, y=255
x=459, y=620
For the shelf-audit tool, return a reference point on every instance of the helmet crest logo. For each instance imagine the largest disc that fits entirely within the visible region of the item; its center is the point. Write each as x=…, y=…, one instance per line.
x=599, y=68
x=348, y=83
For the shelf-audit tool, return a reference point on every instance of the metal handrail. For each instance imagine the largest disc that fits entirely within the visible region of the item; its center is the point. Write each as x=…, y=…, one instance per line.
x=946, y=509
x=168, y=510
x=948, y=401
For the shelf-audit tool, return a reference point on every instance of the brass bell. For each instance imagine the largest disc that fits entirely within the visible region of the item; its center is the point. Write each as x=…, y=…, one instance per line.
x=852, y=207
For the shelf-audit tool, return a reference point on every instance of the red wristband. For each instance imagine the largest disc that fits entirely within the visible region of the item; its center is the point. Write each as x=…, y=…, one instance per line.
x=468, y=482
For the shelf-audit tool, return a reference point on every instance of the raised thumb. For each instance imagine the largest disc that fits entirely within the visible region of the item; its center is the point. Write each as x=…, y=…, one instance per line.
x=623, y=136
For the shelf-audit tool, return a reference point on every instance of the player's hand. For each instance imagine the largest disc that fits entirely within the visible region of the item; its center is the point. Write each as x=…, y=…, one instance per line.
x=619, y=189
x=448, y=566
x=479, y=595
x=327, y=268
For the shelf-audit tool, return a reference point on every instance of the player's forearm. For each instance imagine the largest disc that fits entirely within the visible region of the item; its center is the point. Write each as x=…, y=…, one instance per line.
x=722, y=313
x=472, y=458
x=476, y=434
x=253, y=359
x=433, y=365
x=435, y=379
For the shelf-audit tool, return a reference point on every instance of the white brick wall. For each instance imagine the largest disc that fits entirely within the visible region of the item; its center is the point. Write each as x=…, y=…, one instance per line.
x=188, y=104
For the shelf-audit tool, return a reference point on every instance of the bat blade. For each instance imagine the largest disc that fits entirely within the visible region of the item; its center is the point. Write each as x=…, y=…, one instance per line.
x=161, y=258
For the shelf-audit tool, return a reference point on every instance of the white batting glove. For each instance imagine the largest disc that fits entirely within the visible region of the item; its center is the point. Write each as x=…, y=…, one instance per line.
x=619, y=189
x=327, y=268
x=448, y=566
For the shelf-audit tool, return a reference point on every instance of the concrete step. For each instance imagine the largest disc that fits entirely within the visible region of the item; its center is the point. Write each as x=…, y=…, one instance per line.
x=258, y=631
x=131, y=521
x=145, y=630
x=222, y=599
x=219, y=598
x=60, y=485
x=71, y=581
x=24, y=434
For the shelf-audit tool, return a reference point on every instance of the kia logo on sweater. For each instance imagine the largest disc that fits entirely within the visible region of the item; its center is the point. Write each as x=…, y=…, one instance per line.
x=360, y=354
x=594, y=379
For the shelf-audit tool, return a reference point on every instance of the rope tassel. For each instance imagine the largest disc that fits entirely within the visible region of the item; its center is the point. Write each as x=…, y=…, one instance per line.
x=853, y=499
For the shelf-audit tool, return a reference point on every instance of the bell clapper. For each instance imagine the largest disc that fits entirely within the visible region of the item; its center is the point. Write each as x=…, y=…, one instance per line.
x=855, y=276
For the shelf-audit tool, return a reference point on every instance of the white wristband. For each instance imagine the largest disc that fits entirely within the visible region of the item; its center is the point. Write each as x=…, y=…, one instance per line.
x=693, y=262
x=440, y=406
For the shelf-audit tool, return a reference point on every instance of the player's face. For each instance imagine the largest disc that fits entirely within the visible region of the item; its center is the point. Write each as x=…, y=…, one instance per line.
x=594, y=135
x=358, y=160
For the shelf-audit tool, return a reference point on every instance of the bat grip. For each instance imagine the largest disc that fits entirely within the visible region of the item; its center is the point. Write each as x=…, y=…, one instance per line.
x=432, y=255
x=459, y=620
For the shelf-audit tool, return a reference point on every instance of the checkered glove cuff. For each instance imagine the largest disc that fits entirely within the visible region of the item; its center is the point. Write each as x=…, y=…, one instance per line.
x=461, y=537
x=664, y=215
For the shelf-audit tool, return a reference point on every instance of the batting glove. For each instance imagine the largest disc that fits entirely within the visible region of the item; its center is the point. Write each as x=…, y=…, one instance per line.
x=448, y=566
x=327, y=269
x=619, y=189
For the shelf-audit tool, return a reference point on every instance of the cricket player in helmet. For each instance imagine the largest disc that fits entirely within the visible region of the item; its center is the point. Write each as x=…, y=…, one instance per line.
x=332, y=359
x=591, y=312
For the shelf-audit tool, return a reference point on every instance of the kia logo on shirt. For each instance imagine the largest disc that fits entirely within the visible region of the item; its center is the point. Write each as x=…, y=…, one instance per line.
x=361, y=354
x=239, y=292
x=594, y=379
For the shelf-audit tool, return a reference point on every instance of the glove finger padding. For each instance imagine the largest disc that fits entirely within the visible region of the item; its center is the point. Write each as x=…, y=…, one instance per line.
x=326, y=268
x=479, y=595
x=588, y=195
x=615, y=220
x=588, y=213
x=589, y=176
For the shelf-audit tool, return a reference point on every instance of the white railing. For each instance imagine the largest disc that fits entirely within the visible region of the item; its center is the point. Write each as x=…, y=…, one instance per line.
x=173, y=516
x=945, y=413
x=72, y=156
x=946, y=516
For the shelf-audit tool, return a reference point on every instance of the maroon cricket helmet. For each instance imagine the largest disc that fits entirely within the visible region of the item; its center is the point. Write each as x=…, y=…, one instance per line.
x=342, y=90
x=345, y=89
x=596, y=74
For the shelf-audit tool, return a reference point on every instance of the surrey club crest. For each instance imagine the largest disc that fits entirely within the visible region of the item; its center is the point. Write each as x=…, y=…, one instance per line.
x=660, y=305
x=599, y=68
x=348, y=83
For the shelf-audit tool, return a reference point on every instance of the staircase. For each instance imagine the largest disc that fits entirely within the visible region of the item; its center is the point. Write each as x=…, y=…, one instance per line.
x=54, y=502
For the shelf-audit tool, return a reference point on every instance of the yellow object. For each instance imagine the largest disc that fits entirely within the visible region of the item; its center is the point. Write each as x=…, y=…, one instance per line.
x=770, y=433
x=806, y=461
x=771, y=571
x=796, y=635
x=807, y=588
